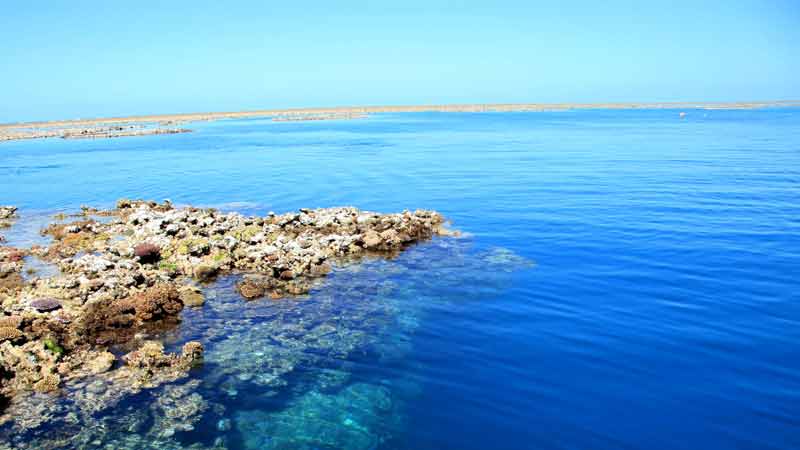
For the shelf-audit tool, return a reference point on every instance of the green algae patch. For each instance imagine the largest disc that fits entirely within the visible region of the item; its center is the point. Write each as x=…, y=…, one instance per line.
x=53, y=346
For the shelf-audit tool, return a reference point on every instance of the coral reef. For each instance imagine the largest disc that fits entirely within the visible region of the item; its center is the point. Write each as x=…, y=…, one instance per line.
x=126, y=278
x=94, y=131
x=277, y=374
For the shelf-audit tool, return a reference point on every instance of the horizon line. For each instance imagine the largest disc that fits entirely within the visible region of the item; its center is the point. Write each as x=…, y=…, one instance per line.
x=454, y=107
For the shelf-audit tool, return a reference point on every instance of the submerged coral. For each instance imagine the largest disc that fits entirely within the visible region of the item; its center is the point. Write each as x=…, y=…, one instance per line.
x=178, y=409
x=357, y=417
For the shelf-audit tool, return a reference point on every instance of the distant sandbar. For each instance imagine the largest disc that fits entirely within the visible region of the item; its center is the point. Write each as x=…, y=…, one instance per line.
x=159, y=124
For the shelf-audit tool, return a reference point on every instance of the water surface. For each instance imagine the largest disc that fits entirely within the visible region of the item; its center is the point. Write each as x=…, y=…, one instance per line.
x=663, y=311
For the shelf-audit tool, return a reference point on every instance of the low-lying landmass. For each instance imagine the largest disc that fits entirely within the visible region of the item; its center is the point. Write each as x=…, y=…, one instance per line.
x=158, y=124
x=86, y=132
x=128, y=272
x=299, y=117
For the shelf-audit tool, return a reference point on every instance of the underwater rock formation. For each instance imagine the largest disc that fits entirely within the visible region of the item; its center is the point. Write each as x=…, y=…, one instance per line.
x=178, y=408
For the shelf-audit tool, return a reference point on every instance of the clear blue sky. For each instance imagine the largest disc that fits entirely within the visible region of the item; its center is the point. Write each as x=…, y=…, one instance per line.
x=67, y=59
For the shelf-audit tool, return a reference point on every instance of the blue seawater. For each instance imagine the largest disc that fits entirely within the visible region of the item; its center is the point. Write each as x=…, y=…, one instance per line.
x=627, y=279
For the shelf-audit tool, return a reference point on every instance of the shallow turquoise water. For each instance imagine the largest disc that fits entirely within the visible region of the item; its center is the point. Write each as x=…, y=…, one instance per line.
x=663, y=310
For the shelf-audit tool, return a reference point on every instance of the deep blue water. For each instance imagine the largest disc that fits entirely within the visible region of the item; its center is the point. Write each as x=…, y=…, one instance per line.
x=663, y=311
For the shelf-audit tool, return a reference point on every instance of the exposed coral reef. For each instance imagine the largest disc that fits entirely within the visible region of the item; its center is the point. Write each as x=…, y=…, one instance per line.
x=10, y=133
x=130, y=275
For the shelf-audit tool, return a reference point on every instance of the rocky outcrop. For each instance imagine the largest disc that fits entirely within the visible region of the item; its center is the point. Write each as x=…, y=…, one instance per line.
x=131, y=276
x=192, y=296
x=8, y=212
x=11, y=265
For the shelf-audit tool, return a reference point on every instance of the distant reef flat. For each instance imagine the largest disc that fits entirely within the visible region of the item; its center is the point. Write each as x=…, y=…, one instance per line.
x=84, y=131
x=165, y=123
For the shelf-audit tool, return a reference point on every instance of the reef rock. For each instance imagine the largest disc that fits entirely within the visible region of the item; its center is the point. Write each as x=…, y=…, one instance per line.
x=192, y=296
x=149, y=366
x=11, y=265
x=117, y=320
x=7, y=212
x=205, y=272
x=30, y=366
x=253, y=286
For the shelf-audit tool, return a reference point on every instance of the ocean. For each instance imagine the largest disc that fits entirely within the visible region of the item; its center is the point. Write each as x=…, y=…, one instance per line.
x=625, y=279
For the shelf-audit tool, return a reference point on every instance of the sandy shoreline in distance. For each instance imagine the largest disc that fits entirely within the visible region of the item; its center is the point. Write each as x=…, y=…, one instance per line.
x=102, y=127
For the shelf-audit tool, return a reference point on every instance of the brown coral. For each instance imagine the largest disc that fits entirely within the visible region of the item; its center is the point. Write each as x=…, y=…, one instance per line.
x=10, y=321
x=158, y=302
x=28, y=366
x=48, y=383
x=11, y=282
x=149, y=355
x=109, y=321
x=149, y=366
x=10, y=334
x=253, y=287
